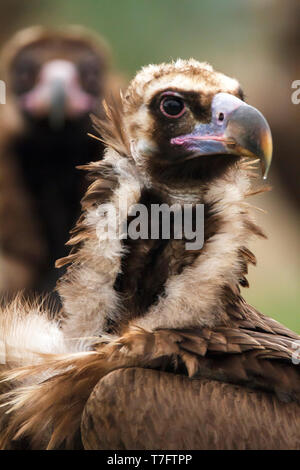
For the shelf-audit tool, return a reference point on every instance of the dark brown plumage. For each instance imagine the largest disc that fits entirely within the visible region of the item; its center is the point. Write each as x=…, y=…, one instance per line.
x=55, y=79
x=172, y=412
x=163, y=332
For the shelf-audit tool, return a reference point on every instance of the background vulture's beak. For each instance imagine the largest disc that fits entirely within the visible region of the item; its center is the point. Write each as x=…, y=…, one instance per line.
x=57, y=102
x=235, y=129
x=58, y=94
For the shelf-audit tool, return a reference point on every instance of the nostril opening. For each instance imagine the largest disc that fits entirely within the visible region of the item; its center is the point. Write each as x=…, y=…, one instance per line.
x=221, y=117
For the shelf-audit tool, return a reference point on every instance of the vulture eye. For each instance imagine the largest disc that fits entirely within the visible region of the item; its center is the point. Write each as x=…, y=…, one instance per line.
x=90, y=76
x=25, y=73
x=172, y=106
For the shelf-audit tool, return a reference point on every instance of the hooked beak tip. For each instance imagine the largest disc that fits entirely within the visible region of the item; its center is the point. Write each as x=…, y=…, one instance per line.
x=267, y=147
x=250, y=130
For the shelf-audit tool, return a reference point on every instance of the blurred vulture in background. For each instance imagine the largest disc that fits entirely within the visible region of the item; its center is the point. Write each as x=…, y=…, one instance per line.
x=54, y=79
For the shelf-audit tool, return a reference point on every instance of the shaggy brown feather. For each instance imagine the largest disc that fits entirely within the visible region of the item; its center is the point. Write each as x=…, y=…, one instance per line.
x=251, y=357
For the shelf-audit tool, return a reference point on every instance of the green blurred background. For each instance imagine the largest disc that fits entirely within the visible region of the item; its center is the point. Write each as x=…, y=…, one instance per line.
x=256, y=41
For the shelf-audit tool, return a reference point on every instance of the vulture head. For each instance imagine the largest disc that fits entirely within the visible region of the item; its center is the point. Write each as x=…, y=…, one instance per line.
x=185, y=119
x=56, y=75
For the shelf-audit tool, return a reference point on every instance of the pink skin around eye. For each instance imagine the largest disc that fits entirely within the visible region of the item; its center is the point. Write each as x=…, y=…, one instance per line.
x=176, y=116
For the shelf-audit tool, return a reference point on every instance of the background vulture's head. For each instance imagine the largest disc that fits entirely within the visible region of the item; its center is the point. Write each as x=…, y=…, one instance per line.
x=187, y=120
x=56, y=75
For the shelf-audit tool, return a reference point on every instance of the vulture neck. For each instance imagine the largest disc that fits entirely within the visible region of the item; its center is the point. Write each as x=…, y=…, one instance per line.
x=156, y=283
x=197, y=287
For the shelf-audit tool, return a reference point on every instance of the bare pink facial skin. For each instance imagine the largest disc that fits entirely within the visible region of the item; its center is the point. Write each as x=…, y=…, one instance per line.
x=58, y=80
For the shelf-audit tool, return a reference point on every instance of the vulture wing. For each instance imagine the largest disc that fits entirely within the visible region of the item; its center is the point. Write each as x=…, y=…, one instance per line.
x=243, y=372
x=249, y=370
x=148, y=409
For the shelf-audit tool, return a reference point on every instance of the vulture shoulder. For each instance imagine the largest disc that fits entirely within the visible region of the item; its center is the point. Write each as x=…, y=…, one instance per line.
x=141, y=409
x=244, y=372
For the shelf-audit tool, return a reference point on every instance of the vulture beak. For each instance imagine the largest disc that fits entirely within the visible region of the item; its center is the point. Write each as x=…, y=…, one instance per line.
x=58, y=94
x=57, y=107
x=235, y=129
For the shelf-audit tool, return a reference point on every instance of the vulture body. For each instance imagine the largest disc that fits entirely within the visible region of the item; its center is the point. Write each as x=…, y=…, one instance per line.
x=156, y=347
x=55, y=79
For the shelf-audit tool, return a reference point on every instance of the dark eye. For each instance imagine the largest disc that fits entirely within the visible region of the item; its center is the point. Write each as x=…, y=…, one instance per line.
x=172, y=106
x=24, y=75
x=90, y=76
